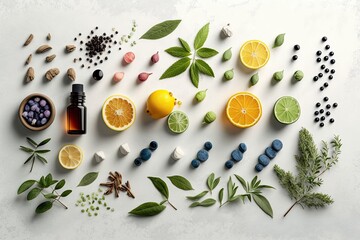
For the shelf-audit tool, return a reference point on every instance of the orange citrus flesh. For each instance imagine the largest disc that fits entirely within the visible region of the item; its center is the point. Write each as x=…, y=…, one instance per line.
x=118, y=112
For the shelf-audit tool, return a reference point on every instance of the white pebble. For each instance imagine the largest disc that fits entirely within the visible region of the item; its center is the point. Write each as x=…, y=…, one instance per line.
x=99, y=156
x=177, y=153
x=124, y=149
x=226, y=31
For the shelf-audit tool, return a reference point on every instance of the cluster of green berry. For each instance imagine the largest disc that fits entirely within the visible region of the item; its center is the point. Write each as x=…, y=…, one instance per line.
x=92, y=203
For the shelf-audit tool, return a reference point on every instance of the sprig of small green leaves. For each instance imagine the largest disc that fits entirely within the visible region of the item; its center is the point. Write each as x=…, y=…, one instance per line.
x=42, y=187
x=211, y=183
x=183, y=52
x=35, y=153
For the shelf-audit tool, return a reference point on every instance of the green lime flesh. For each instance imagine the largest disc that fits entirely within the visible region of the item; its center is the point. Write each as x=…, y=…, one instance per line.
x=178, y=122
x=287, y=110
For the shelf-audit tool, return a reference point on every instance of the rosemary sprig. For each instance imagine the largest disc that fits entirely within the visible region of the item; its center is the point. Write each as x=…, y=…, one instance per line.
x=35, y=153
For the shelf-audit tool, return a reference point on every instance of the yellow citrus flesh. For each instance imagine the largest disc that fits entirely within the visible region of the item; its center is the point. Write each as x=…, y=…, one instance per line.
x=70, y=156
x=160, y=104
x=243, y=109
x=254, y=54
x=118, y=112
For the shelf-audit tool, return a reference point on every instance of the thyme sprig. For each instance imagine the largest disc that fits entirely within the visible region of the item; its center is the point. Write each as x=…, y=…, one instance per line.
x=35, y=153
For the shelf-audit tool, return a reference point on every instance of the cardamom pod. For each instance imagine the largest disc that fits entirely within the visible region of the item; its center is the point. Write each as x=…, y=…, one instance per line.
x=51, y=73
x=254, y=79
x=209, y=117
x=199, y=96
x=30, y=74
x=298, y=75
x=50, y=58
x=278, y=76
x=48, y=37
x=43, y=48
x=227, y=55
x=229, y=74
x=279, y=40
x=70, y=48
x=71, y=74
x=28, y=60
x=28, y=40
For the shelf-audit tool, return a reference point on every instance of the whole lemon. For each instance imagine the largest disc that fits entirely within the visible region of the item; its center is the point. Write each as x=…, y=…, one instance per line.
x=160, y=103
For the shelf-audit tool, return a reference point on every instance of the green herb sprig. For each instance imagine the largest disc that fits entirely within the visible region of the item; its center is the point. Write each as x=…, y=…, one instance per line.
x=211, y=183
x=311, y=164
x=35, y=153
x=45, y=188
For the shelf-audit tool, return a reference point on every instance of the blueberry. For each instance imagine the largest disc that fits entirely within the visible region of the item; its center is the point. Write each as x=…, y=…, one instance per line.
x=327, y=47
x=31, y=102
x=43, y=121
x=318, y=104
x=25, y=114
x=316, y=113
x=331, y=77
x=322, y=124
x=34, y=107
x=195, y=163
x=137, y=162
x=41, y=115
x=29, y=120
x=202, y=155
x=38, y=123
x=236, y=155
x=318, y=59
x=315, y=78
x=327, y=70
x=27, y=108
x=259, y=167
x=208, y=146
x=332, y=70
x=242, y=147
x=335, y=105
x=264, y=160
x=317, y=119
x=145, y=154
x=318, y=53
x=47, y=107
x=326, y=58
x=270, y=153
x=320, y=75
x=323, y=66
x=31, y=114
x=47, y=113
x=229, y=164
x=153, y=145
x=324, y=39
x=42, y=103
x=332, y=120
x=277, y=145
x=332, y=61
x=37, y=99
x=98, y=75
x=295, y=57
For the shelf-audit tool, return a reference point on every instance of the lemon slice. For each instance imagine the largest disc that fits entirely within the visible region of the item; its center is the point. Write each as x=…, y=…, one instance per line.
x=254, y=54
x=70, y=156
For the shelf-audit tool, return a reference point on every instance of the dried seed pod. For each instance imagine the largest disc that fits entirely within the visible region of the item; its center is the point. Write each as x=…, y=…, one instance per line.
x=129, y=57
x=48, y=37
x=70, y=48
x=28, y=40
x=51, y=73
x=71, y=74
x=50, y=58
x=28, y=60
x=30, y=74
x=143, y=76
x=155, y=58
x=43, y=48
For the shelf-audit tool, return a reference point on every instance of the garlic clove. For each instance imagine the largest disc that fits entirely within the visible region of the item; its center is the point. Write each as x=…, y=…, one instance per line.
x=124, y=149
x=99, y=156
x=177, y=154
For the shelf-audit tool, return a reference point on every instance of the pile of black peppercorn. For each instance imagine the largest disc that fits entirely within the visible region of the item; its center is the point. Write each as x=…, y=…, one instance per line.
x=323, y=113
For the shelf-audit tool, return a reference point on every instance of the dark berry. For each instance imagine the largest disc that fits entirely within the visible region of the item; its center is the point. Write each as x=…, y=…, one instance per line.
x=330, y=77
x=321, y=88
x=294, y=58
x=316, y=113
x=259, y=167
x=229, y=164
x=97, y=74
x=331, y=53
x=332, y=61
x=332, y=71
x=324, y=39
x=145, y=154
x=236, y=155
x=318, y=53
x=242, y=147
x=327, y=47
x=326, y=58
x=318, y=104
x=297, y=47
x=137, y=162
x=277, y=145
x=322, y=124
x=335, y=105
x=326, y=99
x=315, y=78
x=321, y=111
x=328, y=113
x=323, y=66
x=320, y=75
x=318, y=59
x=208, y=146
x=328, y=106
x=326, y=84
x=195, y=163
x=332, y=120
x=322, y=118
x=327, y=70
x=202, y=155
x=153, y=145
x=317, y=119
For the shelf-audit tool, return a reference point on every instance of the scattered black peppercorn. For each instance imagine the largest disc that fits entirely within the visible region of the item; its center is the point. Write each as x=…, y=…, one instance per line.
x=327, y=70
x=326, y=58
x=315, y=78
x=294, y=58
x=326, y=99
x=79, y=34
x=97, y=75
x=331, y=53
x=297, y=47
x=318, y=104
x=328, y=106
x=335, y=105
x=327, y=113
x=327, y=47
x=320, y=75
x=332, y=71
x=318, y=53
x=321, y=88
x=324, y=39
x=316, y=119
x=332, y=61
x=82, y=65
x=330, y=77
x=332, y=120
x=321, y=111
x=323, y=66
x=322, y=118
x=322, y=124
x=116, y=32
x=318, y=59
x=316, y=113
x=326, y=84
x=106, y=58
x=96, y=27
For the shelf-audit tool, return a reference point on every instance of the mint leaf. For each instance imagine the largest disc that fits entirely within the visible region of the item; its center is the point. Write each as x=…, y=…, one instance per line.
x=177, y=52
x=148, y=209
x=194, y=75
x=181, y=182
x=206, y=52
x=161, y=30
x=201, y=36
x=184, y=44
x=176, y=68
x=204, y=67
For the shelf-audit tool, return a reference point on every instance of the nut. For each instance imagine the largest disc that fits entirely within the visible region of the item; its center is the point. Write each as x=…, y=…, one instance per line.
x=30, y=74
x=43, y=48
x=50, y=58
x=71, y=74
x=28, y=40
x=28, y=60
x=48, y=37
x=51, y=73
x=70, y=48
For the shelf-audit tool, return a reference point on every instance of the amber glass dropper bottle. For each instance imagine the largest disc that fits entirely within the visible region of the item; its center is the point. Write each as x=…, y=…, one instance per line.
x=76, y=111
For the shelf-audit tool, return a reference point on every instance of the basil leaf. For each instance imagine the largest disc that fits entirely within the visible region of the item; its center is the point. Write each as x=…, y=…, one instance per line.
x=242, y=181
x=41, y=158
x=88, y=179
x=198, y=196
x=176, y=68
x=44, y=142
x=201, y=36
x=148, y=209
x=177, y=52
x=33, y=193
x=210, y=181
x=263, y=203
x=204, y=67
x=194, y=75
x=43, y=207
x=160, y=185
x=32, y=142
x=25, y=186
x=206, y=52
x=50, y=196
x=180, y=182
x=26, y=149
x=161, y=30
x=185, y=45
x=221, y=195
x=60, y=184
x=65, y=193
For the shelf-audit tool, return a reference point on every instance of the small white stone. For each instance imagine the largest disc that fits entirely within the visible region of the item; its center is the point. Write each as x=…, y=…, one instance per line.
x=124, y=149
x=177, y=154
x=99, y=156
x=226, y=31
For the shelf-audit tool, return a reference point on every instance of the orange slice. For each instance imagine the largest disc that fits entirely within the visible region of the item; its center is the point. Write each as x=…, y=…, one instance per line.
x=118, y=112
x=243, y=109
x=254, y=54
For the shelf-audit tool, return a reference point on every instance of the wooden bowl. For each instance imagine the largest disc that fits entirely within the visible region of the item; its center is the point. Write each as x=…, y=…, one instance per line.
x=22, y=108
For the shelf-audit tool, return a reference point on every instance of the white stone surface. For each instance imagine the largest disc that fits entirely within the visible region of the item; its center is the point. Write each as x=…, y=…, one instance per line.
x=304, y=23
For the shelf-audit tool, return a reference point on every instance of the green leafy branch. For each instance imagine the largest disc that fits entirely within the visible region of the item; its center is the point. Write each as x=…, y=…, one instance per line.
x=183, y=52
x=42, y=188
x=35, y=153
x=311, y=164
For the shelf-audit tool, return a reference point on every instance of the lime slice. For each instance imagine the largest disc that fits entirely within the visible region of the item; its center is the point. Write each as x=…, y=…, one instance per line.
x=287, y=110
x=178, y=122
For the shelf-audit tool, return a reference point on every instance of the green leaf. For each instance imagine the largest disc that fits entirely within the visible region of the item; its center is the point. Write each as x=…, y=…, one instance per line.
x=210, y=181
x=50, y=196
x=60, y=184
x=42, y=182
x=253, y=182
x=181, y=182
x=160, y=185
x=204, y=67
x=206, y=52
x=32, y=142
x=194, y=204
x=26, y=149
x=194, y=75
x=316, y=200
x=42, y=159
x=65, y=193
x=242, y=181
x=88, y=179
x=48, y=180
x=201, y=36
x=207, y=202
x=44, y=142
x=148, y=209
x=177, y=52
x=25, y=186
x=265, y=186
x=279, y=40
x=33, y=193
x=234, y=198
x=163, y=201
x=42, y=151
x=185, y=45
x=230, y=188
x=161, y=30
x=30, y=158
x=198, y=196
x=263, y=203
x=43, y=207
x=221, y=195
x=176, y=68
x=216, y=182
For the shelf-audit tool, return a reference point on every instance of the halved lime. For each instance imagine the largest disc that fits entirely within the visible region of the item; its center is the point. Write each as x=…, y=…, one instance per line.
x=178, y=122
x=287, y=110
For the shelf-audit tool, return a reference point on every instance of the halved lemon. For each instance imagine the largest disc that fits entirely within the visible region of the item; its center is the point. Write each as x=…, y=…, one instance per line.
x=118, y=112
x=243, y=109
x=70, y=156
x=254, y=54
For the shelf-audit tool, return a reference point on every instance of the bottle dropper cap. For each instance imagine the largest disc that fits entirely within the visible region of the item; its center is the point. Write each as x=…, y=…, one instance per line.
x=78, y=89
